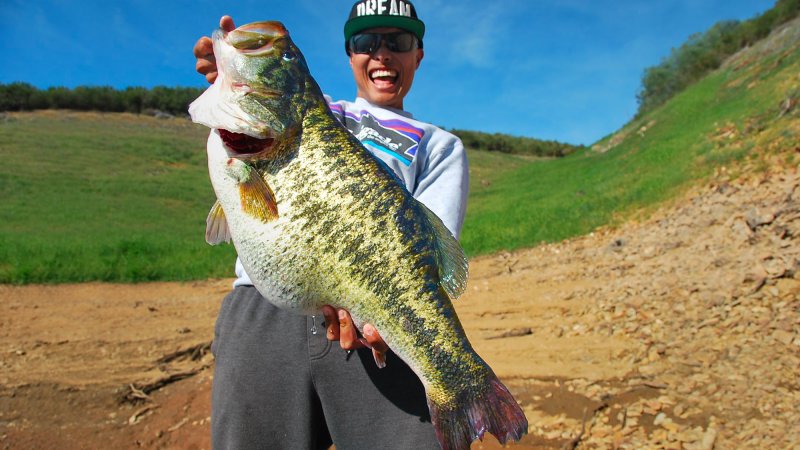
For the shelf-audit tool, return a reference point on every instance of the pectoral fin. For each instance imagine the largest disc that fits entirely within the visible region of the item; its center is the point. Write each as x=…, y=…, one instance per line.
x=257, y=197
x=217, y=226
x=453, y=265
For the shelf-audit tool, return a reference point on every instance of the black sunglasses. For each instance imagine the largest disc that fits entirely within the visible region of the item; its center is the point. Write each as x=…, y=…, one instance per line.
x=367, y=43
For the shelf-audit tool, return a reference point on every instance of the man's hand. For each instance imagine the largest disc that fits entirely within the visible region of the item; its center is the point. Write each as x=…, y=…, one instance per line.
x=204, y=51
x=341, y=328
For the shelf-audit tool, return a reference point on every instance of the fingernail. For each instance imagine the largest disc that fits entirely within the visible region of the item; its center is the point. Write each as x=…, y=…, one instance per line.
x=342, y=315
x=368, y=330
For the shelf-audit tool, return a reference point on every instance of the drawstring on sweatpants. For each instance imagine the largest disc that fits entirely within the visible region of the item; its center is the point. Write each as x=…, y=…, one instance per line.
x=313, y=324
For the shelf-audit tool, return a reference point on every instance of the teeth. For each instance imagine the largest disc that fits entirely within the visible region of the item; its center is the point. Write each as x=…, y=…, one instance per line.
x=383, y=73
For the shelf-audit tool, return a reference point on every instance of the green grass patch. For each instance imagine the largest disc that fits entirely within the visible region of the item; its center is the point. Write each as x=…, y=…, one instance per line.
x=486, y=168
x=112, y=197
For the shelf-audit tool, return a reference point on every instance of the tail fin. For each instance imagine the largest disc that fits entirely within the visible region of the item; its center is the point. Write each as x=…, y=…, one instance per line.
x=493, y=410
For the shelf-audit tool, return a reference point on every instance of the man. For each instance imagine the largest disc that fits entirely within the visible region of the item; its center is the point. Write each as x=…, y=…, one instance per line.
x=278, y=381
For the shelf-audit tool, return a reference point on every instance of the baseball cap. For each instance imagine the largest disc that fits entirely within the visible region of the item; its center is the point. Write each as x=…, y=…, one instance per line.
x=383, y=13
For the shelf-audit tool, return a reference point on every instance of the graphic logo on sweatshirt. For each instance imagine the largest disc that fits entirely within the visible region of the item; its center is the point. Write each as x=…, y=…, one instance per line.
x=395, y=137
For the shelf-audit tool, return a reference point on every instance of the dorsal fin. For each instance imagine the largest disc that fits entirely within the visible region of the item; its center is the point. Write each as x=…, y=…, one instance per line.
x=453, y=264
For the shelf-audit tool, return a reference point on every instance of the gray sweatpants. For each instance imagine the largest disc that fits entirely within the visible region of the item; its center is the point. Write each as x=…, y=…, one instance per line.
x=280, y=384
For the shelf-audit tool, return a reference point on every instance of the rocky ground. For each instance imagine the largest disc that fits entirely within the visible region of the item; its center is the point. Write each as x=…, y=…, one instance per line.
x=681, y=331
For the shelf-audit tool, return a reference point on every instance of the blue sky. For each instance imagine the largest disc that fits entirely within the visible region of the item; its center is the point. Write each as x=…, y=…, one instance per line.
x=567, y=70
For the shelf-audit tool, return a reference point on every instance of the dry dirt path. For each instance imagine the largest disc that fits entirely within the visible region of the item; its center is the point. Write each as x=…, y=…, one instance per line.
x=682, y=331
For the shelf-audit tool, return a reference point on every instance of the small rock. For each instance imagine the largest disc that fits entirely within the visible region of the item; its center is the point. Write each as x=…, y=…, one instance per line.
x=741, y=230
x=692, y=435
x=784, y=337
x=709, y=438
x=755, y=219
x=601, y=432
x=654, y=405
x=617, y=244
x=671, y=426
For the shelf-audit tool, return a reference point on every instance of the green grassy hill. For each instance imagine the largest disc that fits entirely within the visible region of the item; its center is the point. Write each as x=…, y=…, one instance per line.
x=119, y=197
x=741, y=112
x=90, y=196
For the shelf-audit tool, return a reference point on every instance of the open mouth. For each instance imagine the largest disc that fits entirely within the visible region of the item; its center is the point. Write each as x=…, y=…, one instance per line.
x=243, y=144
x=383, y=77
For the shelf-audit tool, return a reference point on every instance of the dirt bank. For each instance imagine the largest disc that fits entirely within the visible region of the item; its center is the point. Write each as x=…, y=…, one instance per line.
x=679, y=332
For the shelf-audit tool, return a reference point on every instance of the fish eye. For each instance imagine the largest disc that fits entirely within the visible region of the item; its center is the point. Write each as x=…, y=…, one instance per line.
x=287, y=56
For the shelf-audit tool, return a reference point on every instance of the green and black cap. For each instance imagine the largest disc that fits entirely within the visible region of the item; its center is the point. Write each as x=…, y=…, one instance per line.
x=384, y=13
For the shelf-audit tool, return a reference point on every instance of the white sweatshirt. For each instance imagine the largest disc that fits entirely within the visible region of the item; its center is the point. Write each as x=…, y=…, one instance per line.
x=430, y=161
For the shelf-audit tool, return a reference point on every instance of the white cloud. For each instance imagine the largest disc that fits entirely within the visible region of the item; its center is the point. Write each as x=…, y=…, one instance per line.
x=41, y=29
x=146, y=40
x=469, y=31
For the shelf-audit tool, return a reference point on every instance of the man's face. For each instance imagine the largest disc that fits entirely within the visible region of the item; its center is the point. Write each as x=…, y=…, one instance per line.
x=384, y=77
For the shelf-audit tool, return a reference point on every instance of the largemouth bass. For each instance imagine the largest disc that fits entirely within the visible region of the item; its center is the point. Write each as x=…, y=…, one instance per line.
x=317, y=219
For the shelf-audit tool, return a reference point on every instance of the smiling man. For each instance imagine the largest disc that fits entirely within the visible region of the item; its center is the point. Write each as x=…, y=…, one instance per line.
x=384, y=80
x=278, y=383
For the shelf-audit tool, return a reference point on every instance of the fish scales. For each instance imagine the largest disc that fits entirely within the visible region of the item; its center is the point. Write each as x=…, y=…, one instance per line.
x=316, y=219
x=361, y=263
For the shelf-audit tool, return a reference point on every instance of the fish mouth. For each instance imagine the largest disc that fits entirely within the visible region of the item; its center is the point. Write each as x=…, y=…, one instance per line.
x=242, y=145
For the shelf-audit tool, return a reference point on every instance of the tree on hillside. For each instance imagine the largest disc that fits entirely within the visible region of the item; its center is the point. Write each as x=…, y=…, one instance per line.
x=20, y=96
x=15, y=96
x=705, y=52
